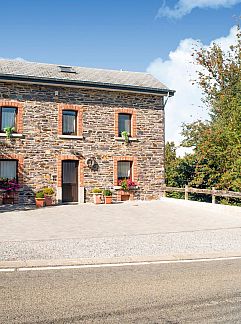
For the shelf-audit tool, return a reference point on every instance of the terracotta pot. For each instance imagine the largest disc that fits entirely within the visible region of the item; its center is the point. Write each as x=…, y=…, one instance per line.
x=108, y=199
x=97, y=199
x=48, y=200
x=40, y=202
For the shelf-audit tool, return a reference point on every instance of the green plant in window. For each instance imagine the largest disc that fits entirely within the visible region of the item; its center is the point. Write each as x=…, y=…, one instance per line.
x=125, y=135
x=9, y=131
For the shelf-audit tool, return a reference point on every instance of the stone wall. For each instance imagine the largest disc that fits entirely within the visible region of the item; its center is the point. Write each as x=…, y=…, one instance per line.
x=41, y=148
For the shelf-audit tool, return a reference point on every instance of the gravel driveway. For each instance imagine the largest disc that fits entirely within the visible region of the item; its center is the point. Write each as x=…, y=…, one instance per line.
x=158, y=229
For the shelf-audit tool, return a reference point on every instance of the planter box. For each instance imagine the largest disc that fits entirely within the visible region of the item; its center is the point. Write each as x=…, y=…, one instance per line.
x=130, y=188
x=48, y=200
x=97, y=198
x=108, y=200
x=40, y=202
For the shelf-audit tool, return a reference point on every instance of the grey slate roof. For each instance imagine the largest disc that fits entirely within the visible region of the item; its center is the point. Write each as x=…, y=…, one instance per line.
x=52, y=72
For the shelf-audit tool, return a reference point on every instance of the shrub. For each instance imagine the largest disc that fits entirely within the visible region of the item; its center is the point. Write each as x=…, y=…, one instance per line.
x=96, y=190
x=39, y=195
x=48, y=191
x=107, y=192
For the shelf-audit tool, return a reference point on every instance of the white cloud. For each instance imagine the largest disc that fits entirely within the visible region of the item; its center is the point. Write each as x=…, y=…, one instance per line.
x=16, y=59
x=184, y=7
x=176, y=73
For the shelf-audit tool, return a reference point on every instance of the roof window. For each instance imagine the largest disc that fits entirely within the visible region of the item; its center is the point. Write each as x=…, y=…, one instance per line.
x=66, y=69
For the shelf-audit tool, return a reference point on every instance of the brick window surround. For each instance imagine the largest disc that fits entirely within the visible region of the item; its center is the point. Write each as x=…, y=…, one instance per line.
x=80, y=169
x=78, y=109
x=132, y=159
x=19, y=158
x=19, y=106
x=130, y=111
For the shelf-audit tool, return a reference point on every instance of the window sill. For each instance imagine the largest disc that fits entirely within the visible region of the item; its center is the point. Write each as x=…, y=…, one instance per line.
x=12, y=136
x=130, y=188
x=121, y=139
x=76, y=137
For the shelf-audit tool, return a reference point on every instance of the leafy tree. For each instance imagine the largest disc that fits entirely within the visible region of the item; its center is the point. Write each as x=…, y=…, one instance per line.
x=217, y=143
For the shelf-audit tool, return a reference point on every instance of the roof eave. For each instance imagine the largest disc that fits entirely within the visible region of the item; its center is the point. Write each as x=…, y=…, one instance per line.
x=86, y=84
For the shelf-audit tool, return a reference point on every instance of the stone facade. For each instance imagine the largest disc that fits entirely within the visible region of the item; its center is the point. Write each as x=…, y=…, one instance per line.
x=40, y=148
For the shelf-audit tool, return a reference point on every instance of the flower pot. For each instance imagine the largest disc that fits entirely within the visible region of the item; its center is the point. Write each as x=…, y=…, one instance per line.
x=48, y=200
x=97, y=199
x=40, y=202
x=108, y=199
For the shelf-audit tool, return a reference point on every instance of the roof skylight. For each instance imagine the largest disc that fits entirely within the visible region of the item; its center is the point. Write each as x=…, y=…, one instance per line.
x=66, y=69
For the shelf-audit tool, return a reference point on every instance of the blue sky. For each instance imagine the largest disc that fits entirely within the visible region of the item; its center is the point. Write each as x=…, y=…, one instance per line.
x=135, y=35
x=109, y=33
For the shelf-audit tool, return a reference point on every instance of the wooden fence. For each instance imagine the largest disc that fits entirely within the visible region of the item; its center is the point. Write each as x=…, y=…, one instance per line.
x=213, y=192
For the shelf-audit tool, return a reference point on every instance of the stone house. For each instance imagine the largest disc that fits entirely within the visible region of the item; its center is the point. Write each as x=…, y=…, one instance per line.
x=68, y=124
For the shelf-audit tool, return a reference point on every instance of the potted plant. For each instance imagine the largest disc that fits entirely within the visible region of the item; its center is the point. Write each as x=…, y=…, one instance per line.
x=8, y=188
x=97, y=194
x=48, y=195
x=108, y=196
x=39, y=199
x=125, y=136
x=9, y=131
x=127, y=184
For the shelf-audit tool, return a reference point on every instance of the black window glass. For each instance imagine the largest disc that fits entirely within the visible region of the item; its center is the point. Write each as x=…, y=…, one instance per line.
x=8, y=169
x=124, y=123
x=124, y=170
x=8, y=117
x=69, y=122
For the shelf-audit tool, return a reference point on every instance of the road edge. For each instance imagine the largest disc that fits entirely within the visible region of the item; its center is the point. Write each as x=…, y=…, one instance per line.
x=118, y=260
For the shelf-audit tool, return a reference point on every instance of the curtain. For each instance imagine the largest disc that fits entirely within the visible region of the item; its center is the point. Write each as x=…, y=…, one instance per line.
x=8, y=117
x=124, y=123
x=124, y=170
x=8, y=169
x=69, y=122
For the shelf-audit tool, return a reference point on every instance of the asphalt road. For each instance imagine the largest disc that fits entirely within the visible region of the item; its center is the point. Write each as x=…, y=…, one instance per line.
x=205, y=292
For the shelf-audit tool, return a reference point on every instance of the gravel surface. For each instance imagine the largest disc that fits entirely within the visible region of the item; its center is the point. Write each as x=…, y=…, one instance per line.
x=200, y=242
x=162, y=228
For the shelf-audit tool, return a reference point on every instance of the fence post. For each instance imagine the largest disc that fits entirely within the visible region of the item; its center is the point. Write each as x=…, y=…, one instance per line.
x=213, y=196
x=164, y=191
x=186, y=192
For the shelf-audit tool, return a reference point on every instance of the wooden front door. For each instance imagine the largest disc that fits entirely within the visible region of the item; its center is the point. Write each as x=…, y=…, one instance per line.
x=70, y=181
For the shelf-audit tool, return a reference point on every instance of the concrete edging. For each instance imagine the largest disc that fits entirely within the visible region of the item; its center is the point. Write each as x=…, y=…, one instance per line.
x=98, y=261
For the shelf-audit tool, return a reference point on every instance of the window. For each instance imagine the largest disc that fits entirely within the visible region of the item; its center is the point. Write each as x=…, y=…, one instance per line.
x=124, y=170
x=124, y=124
x=8, y=169
x=69, y=122
x=66, y=69
x=7, y=117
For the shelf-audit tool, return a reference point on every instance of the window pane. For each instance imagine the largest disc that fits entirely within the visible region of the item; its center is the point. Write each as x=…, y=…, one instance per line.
x=69, y=172
x=69, y=122
x=124, y=170
x=124, y=123
x=8, y=169
x=8, y=117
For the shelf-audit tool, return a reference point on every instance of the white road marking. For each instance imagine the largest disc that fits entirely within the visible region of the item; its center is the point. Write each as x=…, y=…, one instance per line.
x=124, y=264
x=7, y=270
x=112, y=265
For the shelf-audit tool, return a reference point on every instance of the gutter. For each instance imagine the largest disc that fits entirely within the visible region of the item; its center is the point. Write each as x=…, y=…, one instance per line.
x=85, y=84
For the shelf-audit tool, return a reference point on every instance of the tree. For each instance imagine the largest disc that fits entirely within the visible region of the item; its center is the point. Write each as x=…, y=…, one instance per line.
x=217, y=143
